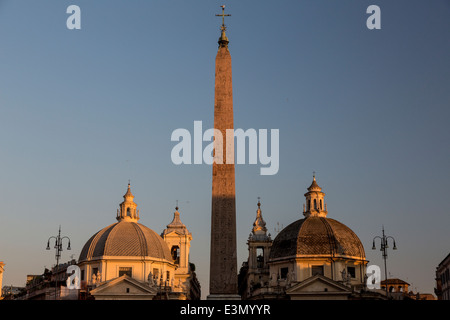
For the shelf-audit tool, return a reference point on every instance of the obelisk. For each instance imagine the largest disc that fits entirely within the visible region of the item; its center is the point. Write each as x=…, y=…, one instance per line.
x=223, y=260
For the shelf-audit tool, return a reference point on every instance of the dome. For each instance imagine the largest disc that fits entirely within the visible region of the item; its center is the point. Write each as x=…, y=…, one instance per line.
x=316, y=235
x=125, y=238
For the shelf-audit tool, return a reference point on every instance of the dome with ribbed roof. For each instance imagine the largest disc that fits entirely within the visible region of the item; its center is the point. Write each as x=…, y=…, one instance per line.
x=317, y=236
x=125, y=238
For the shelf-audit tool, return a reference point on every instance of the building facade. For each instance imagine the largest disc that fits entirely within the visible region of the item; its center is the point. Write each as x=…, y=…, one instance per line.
x=442, y=289
x=2, y=269
x=395, y=285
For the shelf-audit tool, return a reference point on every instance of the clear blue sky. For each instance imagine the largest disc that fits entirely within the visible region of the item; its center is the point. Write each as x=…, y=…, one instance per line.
x=83, y=111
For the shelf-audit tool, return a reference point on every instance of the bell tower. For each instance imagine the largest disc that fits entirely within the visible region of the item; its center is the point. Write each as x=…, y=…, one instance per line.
x=259, y=244
x=178, y=239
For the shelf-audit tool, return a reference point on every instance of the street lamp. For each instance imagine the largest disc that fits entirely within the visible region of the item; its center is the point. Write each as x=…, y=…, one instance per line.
x=384, y=246
x=58, y=247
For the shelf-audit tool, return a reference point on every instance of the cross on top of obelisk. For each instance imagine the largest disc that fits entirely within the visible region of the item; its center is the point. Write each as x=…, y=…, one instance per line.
x=223, y=15
x=223, y=40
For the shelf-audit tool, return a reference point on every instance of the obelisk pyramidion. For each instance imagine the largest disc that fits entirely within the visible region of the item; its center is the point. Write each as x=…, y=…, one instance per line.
x=223, y=260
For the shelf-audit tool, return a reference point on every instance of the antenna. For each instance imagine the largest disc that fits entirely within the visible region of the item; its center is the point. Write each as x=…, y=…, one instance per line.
x=178, y=202
x=277, y=229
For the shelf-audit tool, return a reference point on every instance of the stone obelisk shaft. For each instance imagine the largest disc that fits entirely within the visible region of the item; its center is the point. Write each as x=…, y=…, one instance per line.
x=223, y=267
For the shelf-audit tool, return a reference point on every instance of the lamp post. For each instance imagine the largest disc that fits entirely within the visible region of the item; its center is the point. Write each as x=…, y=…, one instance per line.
x=58, y=247
x=384, y=246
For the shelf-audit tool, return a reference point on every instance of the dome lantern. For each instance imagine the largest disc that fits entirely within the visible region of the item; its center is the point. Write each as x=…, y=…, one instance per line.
x=315, y=202
x=127, y=210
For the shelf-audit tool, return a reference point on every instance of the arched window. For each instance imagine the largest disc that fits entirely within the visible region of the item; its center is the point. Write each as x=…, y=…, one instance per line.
x=128, y=212
x=260, y=258
x=321, y=208
x=315, y=204
x=175, y=251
